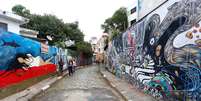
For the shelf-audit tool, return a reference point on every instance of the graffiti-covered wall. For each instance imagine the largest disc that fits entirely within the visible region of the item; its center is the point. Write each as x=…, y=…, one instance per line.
x=161, y=54
x=22, y=59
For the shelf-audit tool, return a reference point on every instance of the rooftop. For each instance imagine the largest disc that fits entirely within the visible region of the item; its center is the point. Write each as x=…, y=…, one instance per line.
x=13, y=17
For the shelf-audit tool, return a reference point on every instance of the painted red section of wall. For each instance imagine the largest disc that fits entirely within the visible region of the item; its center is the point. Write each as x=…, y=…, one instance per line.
x=13, y=77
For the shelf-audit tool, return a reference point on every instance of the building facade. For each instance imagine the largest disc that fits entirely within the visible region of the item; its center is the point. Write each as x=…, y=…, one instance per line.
x=93, y=42
x=29, y=33
x=138, y=9
x=100, y=46
x=132, y=12
x=11, y=22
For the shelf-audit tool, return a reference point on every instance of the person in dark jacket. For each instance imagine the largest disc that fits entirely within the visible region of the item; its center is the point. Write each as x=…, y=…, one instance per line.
x=70, y=67
x=61, y=63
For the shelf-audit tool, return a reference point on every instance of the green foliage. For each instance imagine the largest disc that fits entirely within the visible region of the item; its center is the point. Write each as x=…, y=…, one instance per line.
x=116, y=24
x=45, y=24
x=21, y=10
x=73, y=53
x=85, y=48
x=74, y=32
x=106, y=41
x=51, y=25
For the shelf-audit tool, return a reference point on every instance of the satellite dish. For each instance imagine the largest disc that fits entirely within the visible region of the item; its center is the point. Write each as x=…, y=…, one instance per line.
x=49, y=37
x=69, y=43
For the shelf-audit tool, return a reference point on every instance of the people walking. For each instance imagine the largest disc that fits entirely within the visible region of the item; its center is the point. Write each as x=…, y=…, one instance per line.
x=74, y=65
x=70, y=67
x=61, y=63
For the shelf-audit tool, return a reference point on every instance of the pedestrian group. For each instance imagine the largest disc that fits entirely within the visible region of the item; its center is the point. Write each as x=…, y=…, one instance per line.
x=71, y=66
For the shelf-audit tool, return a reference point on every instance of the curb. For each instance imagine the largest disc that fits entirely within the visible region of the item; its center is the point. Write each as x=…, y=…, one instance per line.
x=113, y=86
x=127, y=96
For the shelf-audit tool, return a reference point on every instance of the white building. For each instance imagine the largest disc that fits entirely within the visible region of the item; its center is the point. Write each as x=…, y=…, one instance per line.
x=100, y=45
x=93, y=42
x=132, y=12
x=138, y=9
x=29, y=33
x=11, y=22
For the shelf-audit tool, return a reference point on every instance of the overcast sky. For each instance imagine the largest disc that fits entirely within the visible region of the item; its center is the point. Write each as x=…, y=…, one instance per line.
x=90, y=13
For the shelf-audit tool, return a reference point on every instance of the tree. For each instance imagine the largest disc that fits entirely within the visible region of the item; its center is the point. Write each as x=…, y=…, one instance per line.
x=74, y=32
x=85, y=48
x=21, y=10
x=116, y=24
x=51, y=25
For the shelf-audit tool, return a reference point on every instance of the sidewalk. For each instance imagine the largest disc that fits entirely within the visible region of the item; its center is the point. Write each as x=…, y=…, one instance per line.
x=127, y=91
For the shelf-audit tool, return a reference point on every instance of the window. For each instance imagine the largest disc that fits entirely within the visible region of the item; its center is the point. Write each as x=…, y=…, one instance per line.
x=133, y=22
x=3, y=27
x=133, y=10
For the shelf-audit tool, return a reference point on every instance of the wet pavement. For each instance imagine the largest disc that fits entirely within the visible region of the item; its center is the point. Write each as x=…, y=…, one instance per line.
x=85, y=85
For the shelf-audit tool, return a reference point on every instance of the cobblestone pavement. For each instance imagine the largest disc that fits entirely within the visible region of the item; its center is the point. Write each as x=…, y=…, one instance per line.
x=85, y=85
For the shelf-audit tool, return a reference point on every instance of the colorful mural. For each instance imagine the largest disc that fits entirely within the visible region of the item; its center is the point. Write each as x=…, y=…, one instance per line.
x=22, y=58
x=161, y=54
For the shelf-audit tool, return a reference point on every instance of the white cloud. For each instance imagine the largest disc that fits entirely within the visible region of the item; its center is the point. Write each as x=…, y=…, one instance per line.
x=90, y=13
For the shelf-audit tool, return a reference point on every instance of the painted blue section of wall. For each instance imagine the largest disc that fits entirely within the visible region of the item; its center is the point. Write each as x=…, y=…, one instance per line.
x=12, y=44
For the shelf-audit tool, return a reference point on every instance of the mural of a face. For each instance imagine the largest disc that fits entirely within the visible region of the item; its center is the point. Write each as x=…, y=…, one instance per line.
x=24, y=62
x=21, y=60
x=19, y=55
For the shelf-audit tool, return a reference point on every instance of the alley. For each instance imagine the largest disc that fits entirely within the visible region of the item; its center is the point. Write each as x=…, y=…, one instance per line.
x=85, y=85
